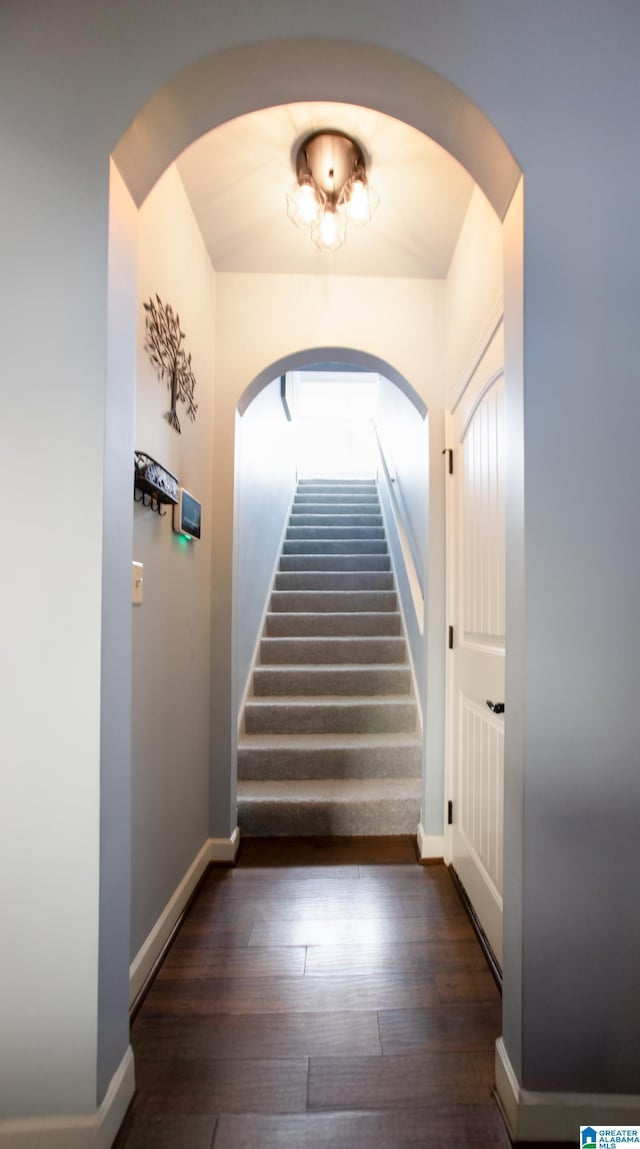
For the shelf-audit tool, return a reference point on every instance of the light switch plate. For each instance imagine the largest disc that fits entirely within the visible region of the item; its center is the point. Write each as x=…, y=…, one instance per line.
x=137, y=580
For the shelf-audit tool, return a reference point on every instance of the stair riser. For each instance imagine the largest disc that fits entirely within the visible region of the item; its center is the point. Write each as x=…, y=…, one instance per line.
x=326, y=504
x=282, y=764
x=334, y=580
x=343, y=494
x=334, y=520
x=332, y=625
x=338, y=484
x=329, y=718
x=335, y=562
x=362, y=681
x=331, y=601
x=334, y=547
x=319, y=651
x=284, y=820
x=328, y=533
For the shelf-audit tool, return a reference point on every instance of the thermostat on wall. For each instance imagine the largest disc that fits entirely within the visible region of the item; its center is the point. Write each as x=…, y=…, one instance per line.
x=187, y=515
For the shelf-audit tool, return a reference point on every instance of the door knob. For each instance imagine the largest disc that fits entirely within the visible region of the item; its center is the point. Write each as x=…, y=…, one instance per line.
x=496, y=707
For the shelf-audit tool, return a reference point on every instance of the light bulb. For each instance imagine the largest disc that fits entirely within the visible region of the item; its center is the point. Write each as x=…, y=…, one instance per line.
x=304, y=201
x=358, y=206
x=361, y=200
x=328, y=228
x=307, y=204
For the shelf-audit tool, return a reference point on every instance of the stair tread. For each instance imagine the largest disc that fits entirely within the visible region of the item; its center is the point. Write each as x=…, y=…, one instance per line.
x=337, y=510
x=339, y=623
x=344, y=555
x=336, y=481
x=330, y=613
x=344, y=539
x=335, y=504
x=327, y=740
x=324, y=593
x=336, y=570
x=329, y=667
x=329, y=638
x=330, y=789
x=329, y=650
x=335, y=547
x=332, y=601
x=357, y=680
x=314, y=564
x=345, y=644
x=360, y=530
x=307, y=702
x=326, y=519
x=278, y=757
x=334, y=580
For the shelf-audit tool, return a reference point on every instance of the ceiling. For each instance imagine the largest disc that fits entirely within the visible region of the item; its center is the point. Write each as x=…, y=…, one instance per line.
x=237, y=176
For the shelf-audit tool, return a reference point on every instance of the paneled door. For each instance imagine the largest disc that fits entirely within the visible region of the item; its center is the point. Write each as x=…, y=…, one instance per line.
x=476, y=603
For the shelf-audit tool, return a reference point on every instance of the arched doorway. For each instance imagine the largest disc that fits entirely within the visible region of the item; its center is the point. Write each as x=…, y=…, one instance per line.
x=140, y=171
x=266, y=472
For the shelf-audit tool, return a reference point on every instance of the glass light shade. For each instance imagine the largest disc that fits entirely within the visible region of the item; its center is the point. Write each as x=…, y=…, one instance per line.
x=361, y=200
x=330, y=228
x=331, y=189
x=304, y=202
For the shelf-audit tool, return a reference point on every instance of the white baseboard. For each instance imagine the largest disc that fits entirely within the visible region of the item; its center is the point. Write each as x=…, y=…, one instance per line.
x=88, y=1131
x=214, y=850
x=224, y=849
x=430, y=846
x=152, y=947
x=534, y=1116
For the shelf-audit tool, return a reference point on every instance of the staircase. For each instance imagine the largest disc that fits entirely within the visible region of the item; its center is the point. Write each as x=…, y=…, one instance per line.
x=330, y=743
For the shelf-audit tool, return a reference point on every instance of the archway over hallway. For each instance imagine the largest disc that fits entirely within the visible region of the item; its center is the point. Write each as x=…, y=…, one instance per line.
x=222, y=86
x=359, y=360
x=200, y=99
x=266, y=467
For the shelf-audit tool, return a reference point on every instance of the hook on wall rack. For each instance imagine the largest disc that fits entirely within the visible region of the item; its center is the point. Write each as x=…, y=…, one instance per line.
x=153, y=484
x=148, y=500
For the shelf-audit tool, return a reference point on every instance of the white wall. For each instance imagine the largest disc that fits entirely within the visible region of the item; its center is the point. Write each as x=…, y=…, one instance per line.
x=399, y=322
x=53, y=322
x=473, y=292
x=264, y=484
x=171, y=630
x=115, y=733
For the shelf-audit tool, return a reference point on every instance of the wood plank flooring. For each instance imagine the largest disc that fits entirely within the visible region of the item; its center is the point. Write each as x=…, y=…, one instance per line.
x=323, y=993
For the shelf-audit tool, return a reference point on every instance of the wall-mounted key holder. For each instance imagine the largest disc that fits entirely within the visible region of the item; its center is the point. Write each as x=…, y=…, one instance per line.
x=153, y=484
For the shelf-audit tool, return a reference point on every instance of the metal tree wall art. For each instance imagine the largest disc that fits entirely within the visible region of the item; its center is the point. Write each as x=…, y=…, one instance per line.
x=163, y=342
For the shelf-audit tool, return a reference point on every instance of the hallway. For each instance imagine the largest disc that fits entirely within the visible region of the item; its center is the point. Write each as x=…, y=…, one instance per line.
x=322, y=993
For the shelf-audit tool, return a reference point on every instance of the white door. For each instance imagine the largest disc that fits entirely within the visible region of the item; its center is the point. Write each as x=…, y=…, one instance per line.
x=476, y=605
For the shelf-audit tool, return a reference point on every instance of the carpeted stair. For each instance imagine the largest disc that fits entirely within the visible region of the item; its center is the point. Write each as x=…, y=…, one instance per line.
x=330, y=743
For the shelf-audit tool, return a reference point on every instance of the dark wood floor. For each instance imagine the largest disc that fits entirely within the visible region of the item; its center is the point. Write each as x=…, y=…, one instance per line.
x=322, y=994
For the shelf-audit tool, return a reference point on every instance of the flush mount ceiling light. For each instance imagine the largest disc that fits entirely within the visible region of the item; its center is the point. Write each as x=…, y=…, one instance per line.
x=331, y=189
